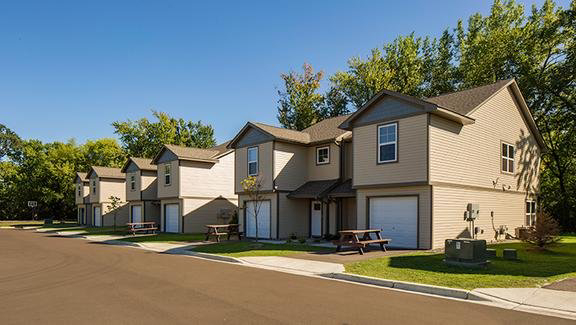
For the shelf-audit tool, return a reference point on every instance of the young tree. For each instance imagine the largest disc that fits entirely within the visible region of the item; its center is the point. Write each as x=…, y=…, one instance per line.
x=252, y=186
x=143, y=138
x=544, y=233
x=299, y=102
x=115, y=204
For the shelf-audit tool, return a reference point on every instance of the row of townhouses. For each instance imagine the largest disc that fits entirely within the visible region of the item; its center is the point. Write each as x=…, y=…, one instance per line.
x=408, y=166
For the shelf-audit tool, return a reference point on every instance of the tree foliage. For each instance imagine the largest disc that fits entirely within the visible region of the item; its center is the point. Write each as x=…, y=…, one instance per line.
x=143, y=138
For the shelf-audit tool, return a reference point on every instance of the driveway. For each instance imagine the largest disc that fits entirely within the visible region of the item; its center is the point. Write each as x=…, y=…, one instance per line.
x=48, y=280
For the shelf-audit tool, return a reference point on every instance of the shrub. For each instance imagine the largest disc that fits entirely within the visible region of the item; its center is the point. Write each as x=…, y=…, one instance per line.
x=302, y=240
x=544, y=233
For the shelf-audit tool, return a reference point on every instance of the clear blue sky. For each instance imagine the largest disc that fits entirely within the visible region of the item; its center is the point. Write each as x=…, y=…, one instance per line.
x=70, y=68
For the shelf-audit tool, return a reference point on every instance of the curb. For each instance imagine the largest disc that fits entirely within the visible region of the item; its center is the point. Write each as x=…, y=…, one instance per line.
x=205, y=255
x=407, y=286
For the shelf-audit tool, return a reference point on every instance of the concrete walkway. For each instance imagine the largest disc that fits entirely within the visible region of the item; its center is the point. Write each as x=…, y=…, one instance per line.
x=293, y=264
x=562, y=301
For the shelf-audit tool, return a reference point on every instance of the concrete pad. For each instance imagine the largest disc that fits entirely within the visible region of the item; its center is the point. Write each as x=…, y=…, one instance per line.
x=535, y=297
x=294, y=264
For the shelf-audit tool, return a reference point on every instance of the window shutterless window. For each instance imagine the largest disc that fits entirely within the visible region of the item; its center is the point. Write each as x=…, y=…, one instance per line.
x=508, y=152
x=94, y=187
x=167, y=174
x=388, y=143
x=132, y=182
x=323, y=155
x=79, y=190
x=530, y=213
x=253, y=161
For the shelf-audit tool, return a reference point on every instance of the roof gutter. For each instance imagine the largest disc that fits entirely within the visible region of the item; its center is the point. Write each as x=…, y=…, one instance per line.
x=453, y=116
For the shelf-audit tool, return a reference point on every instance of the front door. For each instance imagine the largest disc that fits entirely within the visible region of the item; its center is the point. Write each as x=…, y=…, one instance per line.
x=97, y=217
x=316, y=219
x=136, y=213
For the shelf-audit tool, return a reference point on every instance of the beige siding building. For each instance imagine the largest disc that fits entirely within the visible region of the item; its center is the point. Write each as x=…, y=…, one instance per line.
x=405, y=165
x=105, y=183
x=82, y=199
x=142, y=190
x=195, y=187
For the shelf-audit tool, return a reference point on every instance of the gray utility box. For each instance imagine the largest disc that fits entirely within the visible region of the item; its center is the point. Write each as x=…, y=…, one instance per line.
x=465, y=252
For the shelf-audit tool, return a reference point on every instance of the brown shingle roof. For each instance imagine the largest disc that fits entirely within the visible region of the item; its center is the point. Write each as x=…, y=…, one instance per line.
x=313, y=189
x=465, y=101
x=188, y=153
x=284, y=134
x=343, y=189
x=82, y=176
x=326, y=129
x=141, y=163
x=221, y=148
x=106, y=172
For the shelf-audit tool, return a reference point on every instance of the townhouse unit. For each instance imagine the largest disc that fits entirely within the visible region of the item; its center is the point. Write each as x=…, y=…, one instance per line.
x=104, y=183
x=405, y=165
x=195, y=187
x=142, y=190
x=82, y=198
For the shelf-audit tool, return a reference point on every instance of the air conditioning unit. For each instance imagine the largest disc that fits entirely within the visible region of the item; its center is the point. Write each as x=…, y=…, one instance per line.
x=465, y=252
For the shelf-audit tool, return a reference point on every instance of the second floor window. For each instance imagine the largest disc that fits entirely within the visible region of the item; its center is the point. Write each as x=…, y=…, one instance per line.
x=388, y=143
x=79, y=190
x=253, y=161
x=132, y=182
x=167, y=174
x=94, y=187
x=507, y=158
x=322, y=155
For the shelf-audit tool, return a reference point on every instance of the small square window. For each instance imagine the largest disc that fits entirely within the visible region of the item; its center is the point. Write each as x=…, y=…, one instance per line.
x=323, y=155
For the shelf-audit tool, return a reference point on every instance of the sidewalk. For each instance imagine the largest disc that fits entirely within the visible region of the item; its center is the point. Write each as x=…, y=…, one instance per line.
x=293, y=264
x=556, y=300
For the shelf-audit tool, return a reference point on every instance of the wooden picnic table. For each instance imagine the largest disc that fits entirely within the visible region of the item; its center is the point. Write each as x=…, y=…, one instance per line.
x=351, y=238
x=135, y=227
x=228, y=230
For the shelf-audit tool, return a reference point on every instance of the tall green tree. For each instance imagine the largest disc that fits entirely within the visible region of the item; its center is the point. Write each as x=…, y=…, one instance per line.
x=143, y=138
x=300, y=103
x=9, y=142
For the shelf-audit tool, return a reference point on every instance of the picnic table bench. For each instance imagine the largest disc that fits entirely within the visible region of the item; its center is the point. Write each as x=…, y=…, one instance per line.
x=223, y=230
x=350, y=238
x=146, y=227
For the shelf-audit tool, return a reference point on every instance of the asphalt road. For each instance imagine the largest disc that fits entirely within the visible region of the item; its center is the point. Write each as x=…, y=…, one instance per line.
x=50, y=280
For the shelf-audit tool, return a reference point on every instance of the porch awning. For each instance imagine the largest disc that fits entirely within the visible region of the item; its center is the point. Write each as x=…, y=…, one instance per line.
x=343, y=189
x=313, y=189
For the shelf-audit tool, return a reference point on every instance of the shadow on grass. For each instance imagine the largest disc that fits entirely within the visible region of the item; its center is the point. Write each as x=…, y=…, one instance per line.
x=236, y=247
x=164, y=237
x=560, y=259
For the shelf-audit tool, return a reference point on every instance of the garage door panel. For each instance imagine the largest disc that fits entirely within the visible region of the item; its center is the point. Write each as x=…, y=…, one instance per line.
x=137, y=213
x=97, y=217
x=263, y=219
x=398, y=219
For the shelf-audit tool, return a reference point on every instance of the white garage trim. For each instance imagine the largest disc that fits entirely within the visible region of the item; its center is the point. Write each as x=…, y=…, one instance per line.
x=97, y=217
x=138, y=209
x=263, y=208
x=392, y=200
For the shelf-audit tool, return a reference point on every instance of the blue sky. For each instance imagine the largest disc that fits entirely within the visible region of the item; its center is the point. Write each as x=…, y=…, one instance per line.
x=70, y=68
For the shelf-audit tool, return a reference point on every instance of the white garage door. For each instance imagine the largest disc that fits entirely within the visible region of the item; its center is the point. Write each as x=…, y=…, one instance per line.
x=263, y=219
x=171, y=218
x=398, y=219
x=136, y=213
x=97, y=217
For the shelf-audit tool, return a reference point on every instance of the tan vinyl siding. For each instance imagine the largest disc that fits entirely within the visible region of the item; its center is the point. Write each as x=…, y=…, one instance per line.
x=201, y=179
x=348, y=159
x=108, y=187
x=149, y=185
x=325, y=171
x=197, y=213
x=150, y=210
x=122, y=214
x=172, y=190
x=423, y=193
x=133, y=194
x=471, y=154
x=294, y=216
x=94, y=196
x=450, y=204
x=290, y=162
x=412, y=150
x=272, y=197
x=84, y=192
x=265, y=168
x=349, y=211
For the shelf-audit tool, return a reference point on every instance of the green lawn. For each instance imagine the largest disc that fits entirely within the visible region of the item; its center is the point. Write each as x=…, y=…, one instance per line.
x=242, y=249
x=99, y=231
x=163, y=237
x=533, y=268
x=36, y=223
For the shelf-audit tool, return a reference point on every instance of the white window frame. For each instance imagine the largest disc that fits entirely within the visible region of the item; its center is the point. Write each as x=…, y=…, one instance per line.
x=167, y=174
x=132, y=182
x=530, y=219
x=253, y=161
x=395, y=142
x=318, y=149
x=504, y=167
